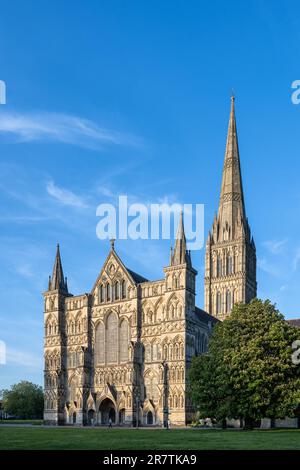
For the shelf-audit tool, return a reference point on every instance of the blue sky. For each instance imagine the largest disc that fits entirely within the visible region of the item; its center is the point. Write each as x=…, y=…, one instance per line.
x=110, y=97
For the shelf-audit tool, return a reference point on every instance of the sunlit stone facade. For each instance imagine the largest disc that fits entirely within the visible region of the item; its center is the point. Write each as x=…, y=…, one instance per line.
x=230, y=262
x=122, y=351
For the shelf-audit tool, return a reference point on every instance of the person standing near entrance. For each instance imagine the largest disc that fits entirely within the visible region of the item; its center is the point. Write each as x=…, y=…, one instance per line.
x=110, y=423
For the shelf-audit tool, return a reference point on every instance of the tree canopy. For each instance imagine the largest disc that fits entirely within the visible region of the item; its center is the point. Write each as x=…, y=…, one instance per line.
x=25, y=400
x=248, y=372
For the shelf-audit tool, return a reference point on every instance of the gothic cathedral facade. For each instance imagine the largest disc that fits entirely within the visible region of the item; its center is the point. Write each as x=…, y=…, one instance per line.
x=121, y=352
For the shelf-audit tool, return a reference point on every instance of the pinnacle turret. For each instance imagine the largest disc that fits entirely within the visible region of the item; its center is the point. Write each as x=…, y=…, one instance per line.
x=180, y=254
x=57, y=281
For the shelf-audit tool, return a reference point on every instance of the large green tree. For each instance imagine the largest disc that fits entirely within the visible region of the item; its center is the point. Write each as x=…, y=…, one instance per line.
x=25, y=400
x=248, y=372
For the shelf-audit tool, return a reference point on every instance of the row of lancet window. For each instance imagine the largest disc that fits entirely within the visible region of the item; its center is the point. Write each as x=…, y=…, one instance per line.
x=110, y=292
x=225, y=299
x=72, y=327
x=112, y=341
x=224, y=268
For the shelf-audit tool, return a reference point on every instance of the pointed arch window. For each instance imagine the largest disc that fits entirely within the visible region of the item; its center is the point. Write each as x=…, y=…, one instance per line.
x=228, y=301
x=124, y=341
x=72, y=389
x=219, y=266
x=117, y=290
x=112, y=339
x=165, y=352
x=219, y=302
x=123, y=289
x=151, y=386
x=100, y=344
x=229, y=265
x=154, y=352
x=108, y=293
x=101, y=293
x=148, y=352
x=236, y=262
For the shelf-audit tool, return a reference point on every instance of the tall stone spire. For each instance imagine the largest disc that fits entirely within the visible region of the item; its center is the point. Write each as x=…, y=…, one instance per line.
x=180, y=254
x=57, y=281
x=231, y=206
x=230, y=262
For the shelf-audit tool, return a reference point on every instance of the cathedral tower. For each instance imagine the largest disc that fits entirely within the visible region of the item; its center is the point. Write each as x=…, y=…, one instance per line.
x=54, y=321
x=230, y=261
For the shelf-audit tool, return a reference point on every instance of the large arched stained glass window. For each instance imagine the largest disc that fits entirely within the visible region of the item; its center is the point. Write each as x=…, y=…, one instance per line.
x=112, y=338
x=124, y=341
x=99, y=344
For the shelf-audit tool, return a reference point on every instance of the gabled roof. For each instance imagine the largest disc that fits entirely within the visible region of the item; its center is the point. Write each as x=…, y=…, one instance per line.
x=294, y=322
x=133, y=277
x=205, y=317
x=138, y=279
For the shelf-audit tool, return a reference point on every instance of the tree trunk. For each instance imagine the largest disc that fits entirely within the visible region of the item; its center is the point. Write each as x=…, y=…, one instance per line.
x=248, y=423
x=224, y=423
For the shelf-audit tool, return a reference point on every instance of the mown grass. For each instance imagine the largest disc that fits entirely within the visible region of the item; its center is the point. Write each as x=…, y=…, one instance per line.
x=148, y=439
x=36, y=422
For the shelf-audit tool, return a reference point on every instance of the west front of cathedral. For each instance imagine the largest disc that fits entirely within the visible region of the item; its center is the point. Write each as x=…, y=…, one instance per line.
x=121, y=352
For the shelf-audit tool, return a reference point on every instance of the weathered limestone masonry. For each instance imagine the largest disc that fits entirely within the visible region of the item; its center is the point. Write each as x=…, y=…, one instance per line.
x=230, y=262
x=121, y=352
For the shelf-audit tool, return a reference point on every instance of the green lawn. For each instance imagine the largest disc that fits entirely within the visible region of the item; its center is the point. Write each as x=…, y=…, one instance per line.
x=21, y=421
x=148, y=439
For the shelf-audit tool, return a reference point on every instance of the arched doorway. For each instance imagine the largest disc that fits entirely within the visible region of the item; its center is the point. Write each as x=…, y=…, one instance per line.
x=122, y=416
x=149, y=417
x=91, y=417
x=107, y=411
x=112, y=415
x=74, y=418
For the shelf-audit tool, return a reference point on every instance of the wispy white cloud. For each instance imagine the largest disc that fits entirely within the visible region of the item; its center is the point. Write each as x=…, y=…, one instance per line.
x=23, y=219
x=25, y=270
x=62, y=128
x=106, y=191
x=296, y=259
x=267, y=267
x=23, y=358
x=275, y=246
x=65, y=196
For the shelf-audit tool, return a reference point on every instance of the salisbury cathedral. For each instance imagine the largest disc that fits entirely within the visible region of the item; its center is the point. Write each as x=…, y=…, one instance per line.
x=121, y=352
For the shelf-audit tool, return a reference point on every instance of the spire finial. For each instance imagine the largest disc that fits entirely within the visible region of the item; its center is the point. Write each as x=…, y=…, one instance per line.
x=179, y=255
x=57, y=279
x=231, y=206
x=112, y=244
